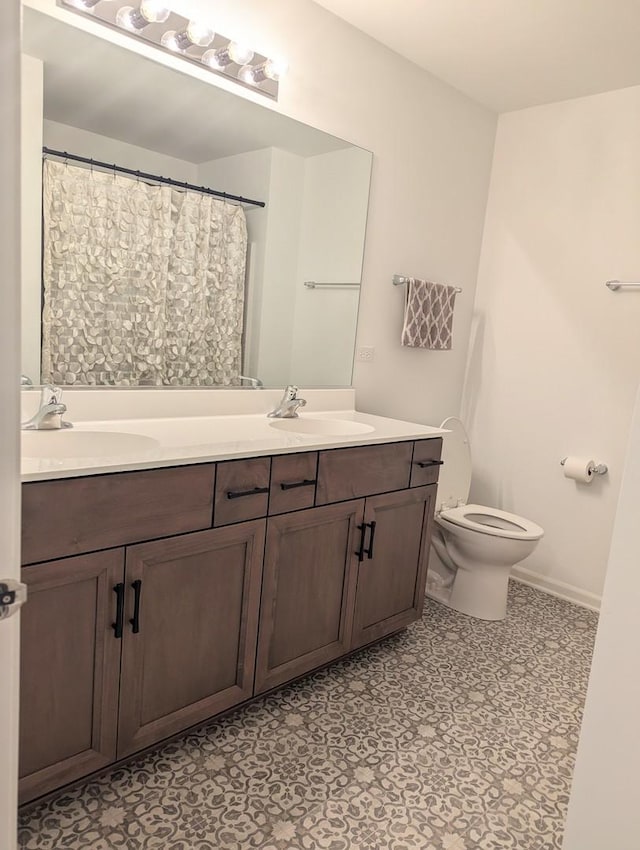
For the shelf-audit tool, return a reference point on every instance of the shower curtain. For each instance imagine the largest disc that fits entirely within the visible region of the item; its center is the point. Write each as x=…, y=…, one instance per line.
x=143, y=284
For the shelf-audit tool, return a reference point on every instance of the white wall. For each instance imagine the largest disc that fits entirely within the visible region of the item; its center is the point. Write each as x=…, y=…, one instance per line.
x=275, y=176
x=332, y=233
x=603, y=810
x=31, y=213
x=553, y=366
x=432, y=155
x=82, y=142
x=280, y=264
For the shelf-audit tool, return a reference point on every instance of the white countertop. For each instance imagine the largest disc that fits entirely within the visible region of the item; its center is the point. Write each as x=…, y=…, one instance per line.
x=177, y=441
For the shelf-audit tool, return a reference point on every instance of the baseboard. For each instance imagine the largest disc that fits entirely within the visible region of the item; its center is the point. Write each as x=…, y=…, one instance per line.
x=557, y=588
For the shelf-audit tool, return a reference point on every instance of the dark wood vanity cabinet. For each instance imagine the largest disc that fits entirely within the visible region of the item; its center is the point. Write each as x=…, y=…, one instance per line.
x=201, y=598
x=69, y=670
x=392, y=575
x=308, y=591
x=191, y=622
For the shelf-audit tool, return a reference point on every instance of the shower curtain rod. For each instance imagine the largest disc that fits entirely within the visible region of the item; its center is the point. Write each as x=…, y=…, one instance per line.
x=142, y=175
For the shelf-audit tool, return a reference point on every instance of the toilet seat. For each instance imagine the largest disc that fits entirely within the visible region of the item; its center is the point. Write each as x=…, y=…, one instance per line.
x=493, y=522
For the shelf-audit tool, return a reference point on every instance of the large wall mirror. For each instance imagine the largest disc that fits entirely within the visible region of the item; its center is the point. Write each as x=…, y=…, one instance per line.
x=133, y=282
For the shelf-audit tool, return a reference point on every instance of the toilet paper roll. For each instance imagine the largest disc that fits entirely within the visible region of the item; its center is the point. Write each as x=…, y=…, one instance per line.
x=579, y=469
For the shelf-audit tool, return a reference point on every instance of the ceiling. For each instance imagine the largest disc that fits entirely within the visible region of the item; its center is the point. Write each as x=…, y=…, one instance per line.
x=509, y=54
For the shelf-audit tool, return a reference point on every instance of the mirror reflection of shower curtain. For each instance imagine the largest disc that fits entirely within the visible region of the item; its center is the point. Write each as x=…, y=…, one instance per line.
x=143, y=284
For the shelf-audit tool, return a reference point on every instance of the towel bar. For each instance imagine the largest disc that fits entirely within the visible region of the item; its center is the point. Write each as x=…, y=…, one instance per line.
x=314, y=284
x=614, y=285
x=400, y=280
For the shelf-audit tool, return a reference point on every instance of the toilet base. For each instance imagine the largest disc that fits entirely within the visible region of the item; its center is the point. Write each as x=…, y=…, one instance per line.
x=486, y=603
x=480, y=592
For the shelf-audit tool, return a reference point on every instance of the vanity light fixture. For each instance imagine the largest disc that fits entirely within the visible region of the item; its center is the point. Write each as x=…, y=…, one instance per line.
x=153, y=22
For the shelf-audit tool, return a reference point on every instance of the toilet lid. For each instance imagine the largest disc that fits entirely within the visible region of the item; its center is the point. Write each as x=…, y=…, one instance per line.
x=492, y=521
x=455, y=473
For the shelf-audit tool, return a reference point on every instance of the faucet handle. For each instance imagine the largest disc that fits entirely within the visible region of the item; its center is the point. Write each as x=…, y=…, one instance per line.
x=290, y=393
x=50, y=395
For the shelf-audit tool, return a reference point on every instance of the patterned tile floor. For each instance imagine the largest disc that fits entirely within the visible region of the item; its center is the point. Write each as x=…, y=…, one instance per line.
x=455, y=735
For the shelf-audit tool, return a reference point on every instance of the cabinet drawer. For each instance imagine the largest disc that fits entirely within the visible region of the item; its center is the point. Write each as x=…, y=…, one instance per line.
x=242, y=490
x=426, y=462
x=74, y=515
x=293, y=482
x=362, y=471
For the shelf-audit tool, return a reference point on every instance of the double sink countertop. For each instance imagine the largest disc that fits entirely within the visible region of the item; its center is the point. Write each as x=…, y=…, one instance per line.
x=97, y=446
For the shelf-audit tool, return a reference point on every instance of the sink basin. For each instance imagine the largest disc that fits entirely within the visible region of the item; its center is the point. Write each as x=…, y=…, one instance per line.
x=322, y=427
x=70, y=444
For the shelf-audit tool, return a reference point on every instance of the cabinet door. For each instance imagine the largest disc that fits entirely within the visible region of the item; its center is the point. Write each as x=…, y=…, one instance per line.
x=190, y=634
x=70, y=663
x=392, y=575
x=307, y=597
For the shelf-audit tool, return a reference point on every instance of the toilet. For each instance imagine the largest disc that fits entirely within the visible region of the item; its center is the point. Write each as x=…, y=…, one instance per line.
x=473, y=547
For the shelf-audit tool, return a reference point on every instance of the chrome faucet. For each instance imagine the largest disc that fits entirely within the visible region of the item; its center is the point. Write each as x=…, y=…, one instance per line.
x=48, y=417
x=289, y=404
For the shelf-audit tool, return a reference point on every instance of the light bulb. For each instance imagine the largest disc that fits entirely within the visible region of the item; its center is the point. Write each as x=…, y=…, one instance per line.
x=149, y=12
x=170, y=41
x=275, y=68
x=270, y=69
x=154, y=11
x=126, y=18
x=246, y=75
x=223, y=56
x=239, y=53
x=212, y=59
x=199, y=34
x=195, y=34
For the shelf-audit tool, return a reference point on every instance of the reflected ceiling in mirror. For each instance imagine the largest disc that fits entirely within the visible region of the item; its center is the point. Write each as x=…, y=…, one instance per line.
x=242, y=295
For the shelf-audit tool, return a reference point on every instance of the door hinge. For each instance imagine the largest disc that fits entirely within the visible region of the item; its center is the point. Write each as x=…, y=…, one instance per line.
x=13, y=594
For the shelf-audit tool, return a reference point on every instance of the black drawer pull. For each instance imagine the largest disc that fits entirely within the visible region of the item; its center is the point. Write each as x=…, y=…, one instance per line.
x=369, y=551
x=361, y=551
x=308, y=482
x=425, y=463
x=118, y=625
x=135, y=620
x=238, y=494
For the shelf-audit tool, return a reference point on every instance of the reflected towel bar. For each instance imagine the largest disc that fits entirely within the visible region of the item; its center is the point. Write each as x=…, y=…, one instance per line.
x=614, y=285
x=400, y=280
x=314, y=284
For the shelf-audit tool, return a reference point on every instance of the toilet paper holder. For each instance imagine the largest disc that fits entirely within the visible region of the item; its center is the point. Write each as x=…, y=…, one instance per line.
x=596, y=468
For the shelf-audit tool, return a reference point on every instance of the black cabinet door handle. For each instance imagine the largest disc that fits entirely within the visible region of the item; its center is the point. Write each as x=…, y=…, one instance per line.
x=118, y=625
x=369, y=551
x=238, y=494
x=307, y=482
x=425, y=463
x=361, y=551
x=135, y=620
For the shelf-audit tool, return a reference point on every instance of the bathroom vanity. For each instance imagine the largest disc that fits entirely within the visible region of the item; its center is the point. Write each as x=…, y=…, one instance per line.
x=160, y=597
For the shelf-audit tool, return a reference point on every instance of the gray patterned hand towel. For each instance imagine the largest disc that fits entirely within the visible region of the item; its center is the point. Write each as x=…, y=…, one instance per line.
x=428, y=315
